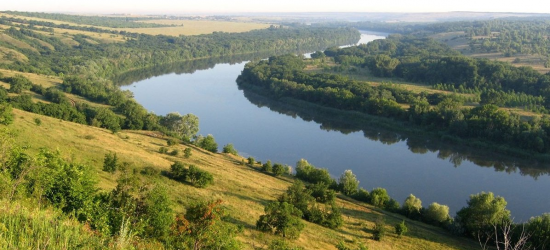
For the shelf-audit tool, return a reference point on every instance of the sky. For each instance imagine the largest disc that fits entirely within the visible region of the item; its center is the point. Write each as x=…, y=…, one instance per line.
x=239, y=6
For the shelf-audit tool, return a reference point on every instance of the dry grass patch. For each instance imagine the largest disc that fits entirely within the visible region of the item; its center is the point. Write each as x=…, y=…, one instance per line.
x=196, y=27
x=17, y=43
x=44, y=80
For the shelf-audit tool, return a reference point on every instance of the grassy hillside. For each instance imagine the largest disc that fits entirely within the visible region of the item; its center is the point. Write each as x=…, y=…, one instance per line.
x=244, y=189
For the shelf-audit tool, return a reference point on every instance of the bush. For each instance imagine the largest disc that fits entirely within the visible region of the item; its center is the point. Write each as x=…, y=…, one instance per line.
x=193, y=175
x=278, y=169
x=6, y=114
x=379, y=230
x=37, y=121
x=436, y=214
x=229, y=149
x=198, y=177
x=251, y=160
x=150, y=171
x=362, y=195
x=348, y=183
x=267, y=167
x=163, y=150
x=110, y=162
x=322, y=193
x=379, y=197
x=171, y=142
x=281, y=218
x=187, y=153
x=401, y=228
x=209, y=143
x=174, y=152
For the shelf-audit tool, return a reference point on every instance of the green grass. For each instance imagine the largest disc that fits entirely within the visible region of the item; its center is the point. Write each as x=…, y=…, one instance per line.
x=244, y=189
x=22, y=227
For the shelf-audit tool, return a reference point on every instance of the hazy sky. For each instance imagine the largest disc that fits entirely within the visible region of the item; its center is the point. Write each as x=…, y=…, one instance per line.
x=186, y=6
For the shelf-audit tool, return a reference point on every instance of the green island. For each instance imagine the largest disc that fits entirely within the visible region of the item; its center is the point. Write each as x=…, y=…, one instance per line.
x=84, y=166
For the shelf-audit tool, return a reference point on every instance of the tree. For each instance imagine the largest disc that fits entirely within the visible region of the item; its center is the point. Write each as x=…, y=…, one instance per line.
x=201, y=227
x=401, y=228
x=209, y=143
x=6, y=114
x=484, y=211
x=229, y=149
x=110, y=162
x=379, y=197
x=267, y=167
x=278, y=169
x=185, y=126
x=412, y=206
x=348, y=183
x=539, y=229
x=437, y=213
x=281, y=218
x=251, y=160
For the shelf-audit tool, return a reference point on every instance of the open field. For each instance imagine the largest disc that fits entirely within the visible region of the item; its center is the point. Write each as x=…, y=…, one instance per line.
x=244, y=189
x=197, y=27
x=459, y=42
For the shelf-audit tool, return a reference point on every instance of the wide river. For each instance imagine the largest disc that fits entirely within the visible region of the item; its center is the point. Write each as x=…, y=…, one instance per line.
x=402, y=164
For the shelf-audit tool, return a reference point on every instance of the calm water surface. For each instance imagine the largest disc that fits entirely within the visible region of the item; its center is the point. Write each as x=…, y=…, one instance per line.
x=258, y=131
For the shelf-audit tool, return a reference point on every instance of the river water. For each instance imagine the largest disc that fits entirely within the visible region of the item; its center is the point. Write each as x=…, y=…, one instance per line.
x=402, y=164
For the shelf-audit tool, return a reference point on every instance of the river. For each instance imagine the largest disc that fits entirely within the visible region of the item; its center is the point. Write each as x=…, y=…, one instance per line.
x=402, y=164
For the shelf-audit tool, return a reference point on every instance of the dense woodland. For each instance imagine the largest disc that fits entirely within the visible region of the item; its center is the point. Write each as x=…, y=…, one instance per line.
x=425, y=61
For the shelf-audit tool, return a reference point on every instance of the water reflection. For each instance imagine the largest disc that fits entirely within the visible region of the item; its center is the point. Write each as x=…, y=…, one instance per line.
x=380, y=130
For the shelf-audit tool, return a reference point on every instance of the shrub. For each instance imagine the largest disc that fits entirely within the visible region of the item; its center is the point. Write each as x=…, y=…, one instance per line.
x=150, y=171
x=379, y=230
x=163, y=150
x=251, y=160
x=198, y=177
x=437, y=214
x=187, y=153
x=348, y=183
x=171, y=142
x=401, y=228
x=37, y=121
x=362, y=195
x=379, y=197
x=229, y=149
x=322, y=193
x=281, y=218
x=209, y=143
x=110, y=163
x=267, y=167
x=175, y=152
x=278, y=169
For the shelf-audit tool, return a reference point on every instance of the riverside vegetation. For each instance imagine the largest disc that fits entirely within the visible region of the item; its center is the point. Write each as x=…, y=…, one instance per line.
x=118, y=181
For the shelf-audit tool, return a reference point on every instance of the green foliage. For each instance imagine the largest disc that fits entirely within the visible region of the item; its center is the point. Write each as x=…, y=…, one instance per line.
x=437, y=214
x=362, y=195
x=281, y=244
x=401, y=229
x=171, y=142
x=267, y=167
x=163, y=150
x=348, y=183
x=110, y=162
x=379, y=230
x=311, y=174
x=192, y=174
x=6, y=114
x=322, y=193
x=209, y=143
x=484, y=211
x=37, y=121
x=379, y=197
x=229, y=149
x=412, y=206
x=18, y=83
x=185, y=126
x=201, y=227
x=279, y=169
x=149, y=171
x=174, y=152
x=281, y=218
x=539, y=230
x=187, y=153
x=157, y=213
x=251, y=160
